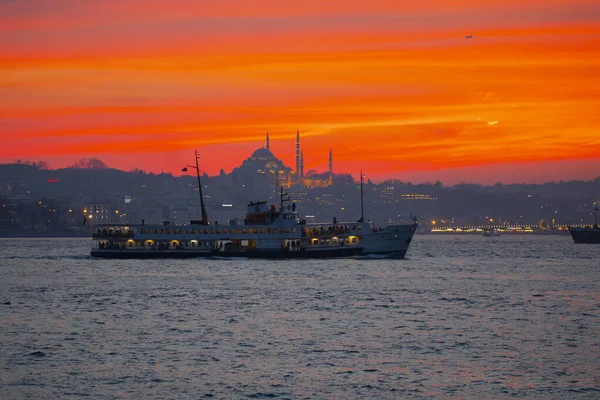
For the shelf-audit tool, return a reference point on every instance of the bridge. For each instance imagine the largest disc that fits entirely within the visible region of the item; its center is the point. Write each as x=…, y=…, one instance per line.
x=516, y=228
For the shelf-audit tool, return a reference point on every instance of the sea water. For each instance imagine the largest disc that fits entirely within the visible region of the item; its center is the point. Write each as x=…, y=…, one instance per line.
x=460, y=317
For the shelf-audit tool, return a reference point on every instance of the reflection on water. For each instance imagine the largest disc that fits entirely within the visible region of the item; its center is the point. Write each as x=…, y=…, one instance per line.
x=460, y=317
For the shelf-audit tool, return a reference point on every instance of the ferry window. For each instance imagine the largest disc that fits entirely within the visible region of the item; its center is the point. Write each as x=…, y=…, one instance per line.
x=287, y=230
x=237, y=230
x=230, y=230
x=243, y=230
x=268, y=230
x=262, y=230
x=212, y=230
x=293, y=229
x=250, y=230
x=280, y=230
x=353, y=240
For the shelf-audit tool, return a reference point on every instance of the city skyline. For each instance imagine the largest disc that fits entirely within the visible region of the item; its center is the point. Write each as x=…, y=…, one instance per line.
x=396, y=90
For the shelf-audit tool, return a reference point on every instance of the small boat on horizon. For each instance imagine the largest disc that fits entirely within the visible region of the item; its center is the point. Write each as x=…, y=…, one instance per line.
x=490, y=232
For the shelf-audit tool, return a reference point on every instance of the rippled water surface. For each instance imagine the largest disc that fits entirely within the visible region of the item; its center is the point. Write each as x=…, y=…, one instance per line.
x=461, y=317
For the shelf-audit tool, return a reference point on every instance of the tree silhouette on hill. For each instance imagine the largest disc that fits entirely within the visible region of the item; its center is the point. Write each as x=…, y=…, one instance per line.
x=90, y=163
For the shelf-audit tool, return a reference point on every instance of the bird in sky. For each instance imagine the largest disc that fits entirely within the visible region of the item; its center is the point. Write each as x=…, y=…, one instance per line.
x=469, y=37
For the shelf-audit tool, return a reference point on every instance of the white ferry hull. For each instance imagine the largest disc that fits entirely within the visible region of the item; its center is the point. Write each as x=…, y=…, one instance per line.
x=392, y=241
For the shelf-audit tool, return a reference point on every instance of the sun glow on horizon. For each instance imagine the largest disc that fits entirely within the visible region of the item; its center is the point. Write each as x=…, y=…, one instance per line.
x=393, y=88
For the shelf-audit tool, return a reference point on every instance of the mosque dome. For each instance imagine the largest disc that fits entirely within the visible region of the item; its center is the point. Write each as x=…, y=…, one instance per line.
x=262, y=154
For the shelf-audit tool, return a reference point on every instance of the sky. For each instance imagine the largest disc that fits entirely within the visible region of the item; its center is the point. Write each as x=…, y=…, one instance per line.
x=394, y=88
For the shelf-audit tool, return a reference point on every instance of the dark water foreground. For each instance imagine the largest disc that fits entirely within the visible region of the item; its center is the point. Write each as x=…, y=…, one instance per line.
x=462, y=317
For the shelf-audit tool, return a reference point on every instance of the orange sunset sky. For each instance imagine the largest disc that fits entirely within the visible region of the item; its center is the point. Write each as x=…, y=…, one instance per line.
x=393, y=87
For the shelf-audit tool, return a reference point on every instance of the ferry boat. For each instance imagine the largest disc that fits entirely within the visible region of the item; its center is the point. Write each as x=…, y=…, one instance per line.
x=266, y=232
x=589, y=234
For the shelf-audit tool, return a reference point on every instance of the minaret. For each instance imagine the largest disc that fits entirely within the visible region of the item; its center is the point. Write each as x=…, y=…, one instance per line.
x=267, y=140
x=330, y=167
x=298, y=154
x=301, y=163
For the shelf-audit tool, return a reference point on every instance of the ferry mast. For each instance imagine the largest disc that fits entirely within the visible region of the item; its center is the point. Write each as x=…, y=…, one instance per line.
x=204, y=220
x=362, y=214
